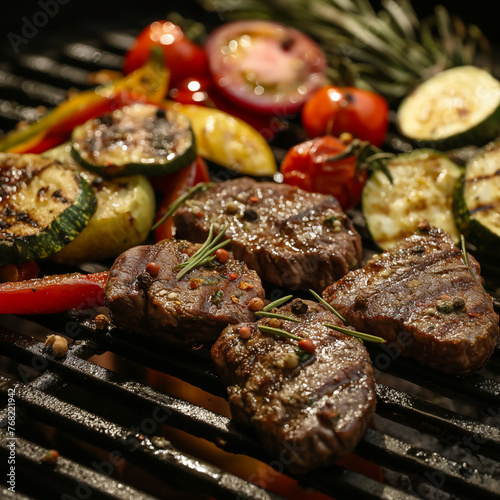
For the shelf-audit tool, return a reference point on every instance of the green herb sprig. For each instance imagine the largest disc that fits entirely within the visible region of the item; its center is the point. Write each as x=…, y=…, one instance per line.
x=201, y=186
x=358, y=335
x=466, y=260
x=276, y=303
x=327, y=305
x=204, y=254
x=279, y=332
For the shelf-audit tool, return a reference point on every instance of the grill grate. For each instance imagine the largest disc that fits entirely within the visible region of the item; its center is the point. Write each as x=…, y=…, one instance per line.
x=417, y=467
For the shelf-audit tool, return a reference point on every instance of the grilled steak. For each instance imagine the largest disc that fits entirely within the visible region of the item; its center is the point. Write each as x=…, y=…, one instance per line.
x=309, y=412
x=291, y=237
x=194, y=309
x=421, y=295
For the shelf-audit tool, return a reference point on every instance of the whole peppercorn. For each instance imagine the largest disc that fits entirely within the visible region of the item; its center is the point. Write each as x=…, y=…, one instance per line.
x=221, y=255
x=274, y=323
x=58, y=344
x=50, y=457
x=256, y=304
x=307, y=345
x=152, y=268
x=244, y=332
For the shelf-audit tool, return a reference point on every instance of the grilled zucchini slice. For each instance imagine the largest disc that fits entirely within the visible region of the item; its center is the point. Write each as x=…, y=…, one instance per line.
x=422, y=189
x=123, y=219
x=477, y=203
x=44, y=204
x=136, y=139
x=454, y=108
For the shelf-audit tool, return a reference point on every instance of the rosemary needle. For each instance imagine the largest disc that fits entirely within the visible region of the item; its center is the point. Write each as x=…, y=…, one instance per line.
x=277, y=303
x=279, y=332
x=201, y=186
x=327, y=305
x=358, y=335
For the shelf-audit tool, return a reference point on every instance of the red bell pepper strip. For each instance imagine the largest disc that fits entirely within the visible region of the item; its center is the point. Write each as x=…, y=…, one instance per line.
x=148, y=83
x=173, y=186
x=53, y=294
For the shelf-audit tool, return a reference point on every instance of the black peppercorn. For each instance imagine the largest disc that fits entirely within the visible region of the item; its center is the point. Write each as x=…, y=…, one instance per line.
x=299, y=306
x=251, y=215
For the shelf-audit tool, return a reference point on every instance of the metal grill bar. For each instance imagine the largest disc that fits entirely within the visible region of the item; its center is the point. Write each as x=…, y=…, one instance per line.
x=66, y=473
x=184, y=469
x=218, y=429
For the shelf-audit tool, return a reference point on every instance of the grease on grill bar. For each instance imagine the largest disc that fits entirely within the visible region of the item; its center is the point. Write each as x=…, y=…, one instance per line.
x=76, y=399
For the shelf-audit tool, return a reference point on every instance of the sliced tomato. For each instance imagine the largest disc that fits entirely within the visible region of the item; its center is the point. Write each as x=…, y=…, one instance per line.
x=265, y=66
x=183, y=57
x=309, y=165
x=333, y=110
x=173, y=186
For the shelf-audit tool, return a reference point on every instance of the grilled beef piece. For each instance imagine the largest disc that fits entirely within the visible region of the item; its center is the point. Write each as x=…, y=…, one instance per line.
x=420, y=294
x=309, y=412
x=194, y=309
x=291, y=237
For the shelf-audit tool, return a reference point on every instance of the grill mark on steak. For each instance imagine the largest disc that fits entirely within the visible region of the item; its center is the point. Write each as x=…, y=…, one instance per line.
x=288, y=238
x=192, y=310
x=313, y=414
x=421, y=295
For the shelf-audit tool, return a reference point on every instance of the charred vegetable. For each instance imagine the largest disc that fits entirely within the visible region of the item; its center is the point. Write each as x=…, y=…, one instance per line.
x=136, y=139
x=44, y=204
x=456, y=107
x=477, y=202
x=422, y=188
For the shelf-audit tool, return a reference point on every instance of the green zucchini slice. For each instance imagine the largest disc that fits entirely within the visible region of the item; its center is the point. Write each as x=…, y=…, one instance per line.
x=422, y=189
x=44, y=204
x=477, y=206
x=454, y=108
x=123, y=219
x=136, y=139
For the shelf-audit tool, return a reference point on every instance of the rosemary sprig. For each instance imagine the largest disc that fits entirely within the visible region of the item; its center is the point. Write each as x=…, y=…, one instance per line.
x=466, y=261
x=276, y=303
x=279, y=332
x=201, y=186
x=388, y=50
x=267, y=314
x=327, y=305
x=204, y=254
x=358, y=335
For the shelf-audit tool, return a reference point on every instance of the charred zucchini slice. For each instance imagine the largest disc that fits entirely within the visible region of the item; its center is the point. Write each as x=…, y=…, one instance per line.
x=136, y=139
x=44, y=204
x=123, y=218
x=454, y=108
x=422, y=189
x=477, y=207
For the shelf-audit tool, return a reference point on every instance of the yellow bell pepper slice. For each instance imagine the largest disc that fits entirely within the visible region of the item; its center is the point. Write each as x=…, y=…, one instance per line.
x=227, y=140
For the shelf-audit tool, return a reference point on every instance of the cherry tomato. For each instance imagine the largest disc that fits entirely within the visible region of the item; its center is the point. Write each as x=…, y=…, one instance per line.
x=193, y=90
x=265, y=66
x=332, y=110
x=306, y=165
x=183, y=57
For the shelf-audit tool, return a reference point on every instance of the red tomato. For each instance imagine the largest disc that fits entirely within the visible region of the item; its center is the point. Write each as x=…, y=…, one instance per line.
x=333, y=110
x=182, y=56
x=265, y=66
x=193, y=90
x=306, y=165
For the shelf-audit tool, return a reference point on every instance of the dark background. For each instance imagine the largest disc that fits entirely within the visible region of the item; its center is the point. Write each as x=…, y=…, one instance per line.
x=78, y=20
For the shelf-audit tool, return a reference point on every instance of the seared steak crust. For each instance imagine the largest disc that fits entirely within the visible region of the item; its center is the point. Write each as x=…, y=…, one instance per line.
x=421, y=295
x=291, y=237
x=309, y=415
x=194, y=309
